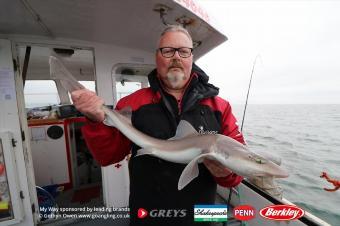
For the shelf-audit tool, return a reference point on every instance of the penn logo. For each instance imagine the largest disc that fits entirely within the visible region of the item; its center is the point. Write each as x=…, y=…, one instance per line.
x=282, y=212
x=244, y=212
x=142, y=213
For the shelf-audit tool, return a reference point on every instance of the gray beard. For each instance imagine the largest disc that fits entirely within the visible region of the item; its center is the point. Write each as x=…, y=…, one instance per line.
x=175, y=79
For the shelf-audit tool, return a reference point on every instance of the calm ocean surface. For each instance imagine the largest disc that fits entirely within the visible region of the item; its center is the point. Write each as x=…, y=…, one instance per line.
x=307, y=138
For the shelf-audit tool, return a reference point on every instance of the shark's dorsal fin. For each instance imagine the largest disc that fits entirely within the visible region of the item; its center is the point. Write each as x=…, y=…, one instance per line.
x=184, y=129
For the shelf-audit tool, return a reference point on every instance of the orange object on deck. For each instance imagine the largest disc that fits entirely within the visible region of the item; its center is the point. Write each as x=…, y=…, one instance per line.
x=336, y=183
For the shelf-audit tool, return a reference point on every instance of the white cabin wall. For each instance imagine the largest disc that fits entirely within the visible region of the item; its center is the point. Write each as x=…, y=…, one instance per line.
x=115, y=181
x=10, y=121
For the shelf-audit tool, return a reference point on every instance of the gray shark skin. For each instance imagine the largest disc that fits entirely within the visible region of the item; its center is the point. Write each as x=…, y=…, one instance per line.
x=187, y=146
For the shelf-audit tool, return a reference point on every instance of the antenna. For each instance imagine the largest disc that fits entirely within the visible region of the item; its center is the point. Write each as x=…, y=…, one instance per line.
x=251, y=77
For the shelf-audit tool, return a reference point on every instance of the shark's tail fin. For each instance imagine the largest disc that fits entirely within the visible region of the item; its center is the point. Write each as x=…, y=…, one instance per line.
x=59, y=72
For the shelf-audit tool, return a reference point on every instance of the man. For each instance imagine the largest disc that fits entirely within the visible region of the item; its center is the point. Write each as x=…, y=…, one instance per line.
x=179, y=90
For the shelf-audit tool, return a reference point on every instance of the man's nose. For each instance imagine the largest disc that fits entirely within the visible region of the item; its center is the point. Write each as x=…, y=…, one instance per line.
x=176, y=55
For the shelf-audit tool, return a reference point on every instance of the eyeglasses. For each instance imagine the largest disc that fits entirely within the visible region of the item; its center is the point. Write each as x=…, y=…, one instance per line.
x=168, y=52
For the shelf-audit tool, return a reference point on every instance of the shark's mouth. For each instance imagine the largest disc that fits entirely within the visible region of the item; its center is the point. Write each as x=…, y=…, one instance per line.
x=263, y=174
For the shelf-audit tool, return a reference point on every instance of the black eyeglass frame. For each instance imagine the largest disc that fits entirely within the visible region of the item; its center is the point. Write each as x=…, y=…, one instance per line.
x=175, y=50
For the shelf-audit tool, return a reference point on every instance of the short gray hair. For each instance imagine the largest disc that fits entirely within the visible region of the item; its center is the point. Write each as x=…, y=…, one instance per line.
x=176, y=28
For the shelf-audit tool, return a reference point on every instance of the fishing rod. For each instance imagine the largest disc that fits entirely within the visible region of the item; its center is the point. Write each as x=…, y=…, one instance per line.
x=246, y=104
x=244, y=113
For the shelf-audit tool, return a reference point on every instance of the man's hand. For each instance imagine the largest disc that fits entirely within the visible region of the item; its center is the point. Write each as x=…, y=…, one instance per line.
x=88, y=103
x=216, y=168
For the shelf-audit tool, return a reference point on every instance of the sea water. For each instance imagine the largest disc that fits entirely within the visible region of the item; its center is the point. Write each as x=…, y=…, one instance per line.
x=307, y=138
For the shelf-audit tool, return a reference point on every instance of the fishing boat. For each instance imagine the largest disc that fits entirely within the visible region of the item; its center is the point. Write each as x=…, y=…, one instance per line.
x=109, y=47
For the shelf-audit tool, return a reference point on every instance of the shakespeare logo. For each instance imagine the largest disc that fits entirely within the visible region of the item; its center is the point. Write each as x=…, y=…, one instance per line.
x=216, y=213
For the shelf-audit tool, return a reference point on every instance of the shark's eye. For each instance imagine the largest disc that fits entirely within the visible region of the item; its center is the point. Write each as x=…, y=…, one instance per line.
x=258, y=159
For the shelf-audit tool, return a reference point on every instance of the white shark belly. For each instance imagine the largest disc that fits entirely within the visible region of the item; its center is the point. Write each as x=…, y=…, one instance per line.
x=183, y=156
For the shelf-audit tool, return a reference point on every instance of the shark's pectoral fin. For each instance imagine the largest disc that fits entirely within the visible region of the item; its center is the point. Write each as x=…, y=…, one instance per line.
x=191, y=171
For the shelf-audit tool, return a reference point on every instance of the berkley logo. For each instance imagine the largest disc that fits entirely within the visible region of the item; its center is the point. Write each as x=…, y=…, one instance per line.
x=244, y=212
x=282, y=212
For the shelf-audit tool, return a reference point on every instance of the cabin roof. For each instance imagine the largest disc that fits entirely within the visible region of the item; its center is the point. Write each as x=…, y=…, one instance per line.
x=130, y=23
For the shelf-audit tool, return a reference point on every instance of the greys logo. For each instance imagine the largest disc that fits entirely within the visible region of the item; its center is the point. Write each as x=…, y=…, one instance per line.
x=167, y=213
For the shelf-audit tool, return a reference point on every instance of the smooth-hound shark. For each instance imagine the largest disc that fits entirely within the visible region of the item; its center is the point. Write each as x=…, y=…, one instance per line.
x=187, y=146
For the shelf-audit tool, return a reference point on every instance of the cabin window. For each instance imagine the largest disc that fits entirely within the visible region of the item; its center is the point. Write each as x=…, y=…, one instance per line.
x=126, y=88
x=130, y=78
x=39, y=93
x=91, y=85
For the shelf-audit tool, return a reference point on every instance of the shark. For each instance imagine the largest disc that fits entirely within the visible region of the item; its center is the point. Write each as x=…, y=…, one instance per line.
x=187, y=146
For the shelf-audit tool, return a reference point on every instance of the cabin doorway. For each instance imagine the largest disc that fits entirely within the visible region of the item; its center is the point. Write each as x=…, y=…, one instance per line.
x=64, y=169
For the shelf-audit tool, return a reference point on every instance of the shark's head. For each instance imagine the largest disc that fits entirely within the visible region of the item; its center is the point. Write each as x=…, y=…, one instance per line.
x=240, y=160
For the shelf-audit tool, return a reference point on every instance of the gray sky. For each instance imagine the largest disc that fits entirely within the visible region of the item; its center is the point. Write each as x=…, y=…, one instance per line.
x=299, y=47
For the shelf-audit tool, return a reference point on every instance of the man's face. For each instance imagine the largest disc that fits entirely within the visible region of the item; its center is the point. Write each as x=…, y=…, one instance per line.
x=174, y=71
